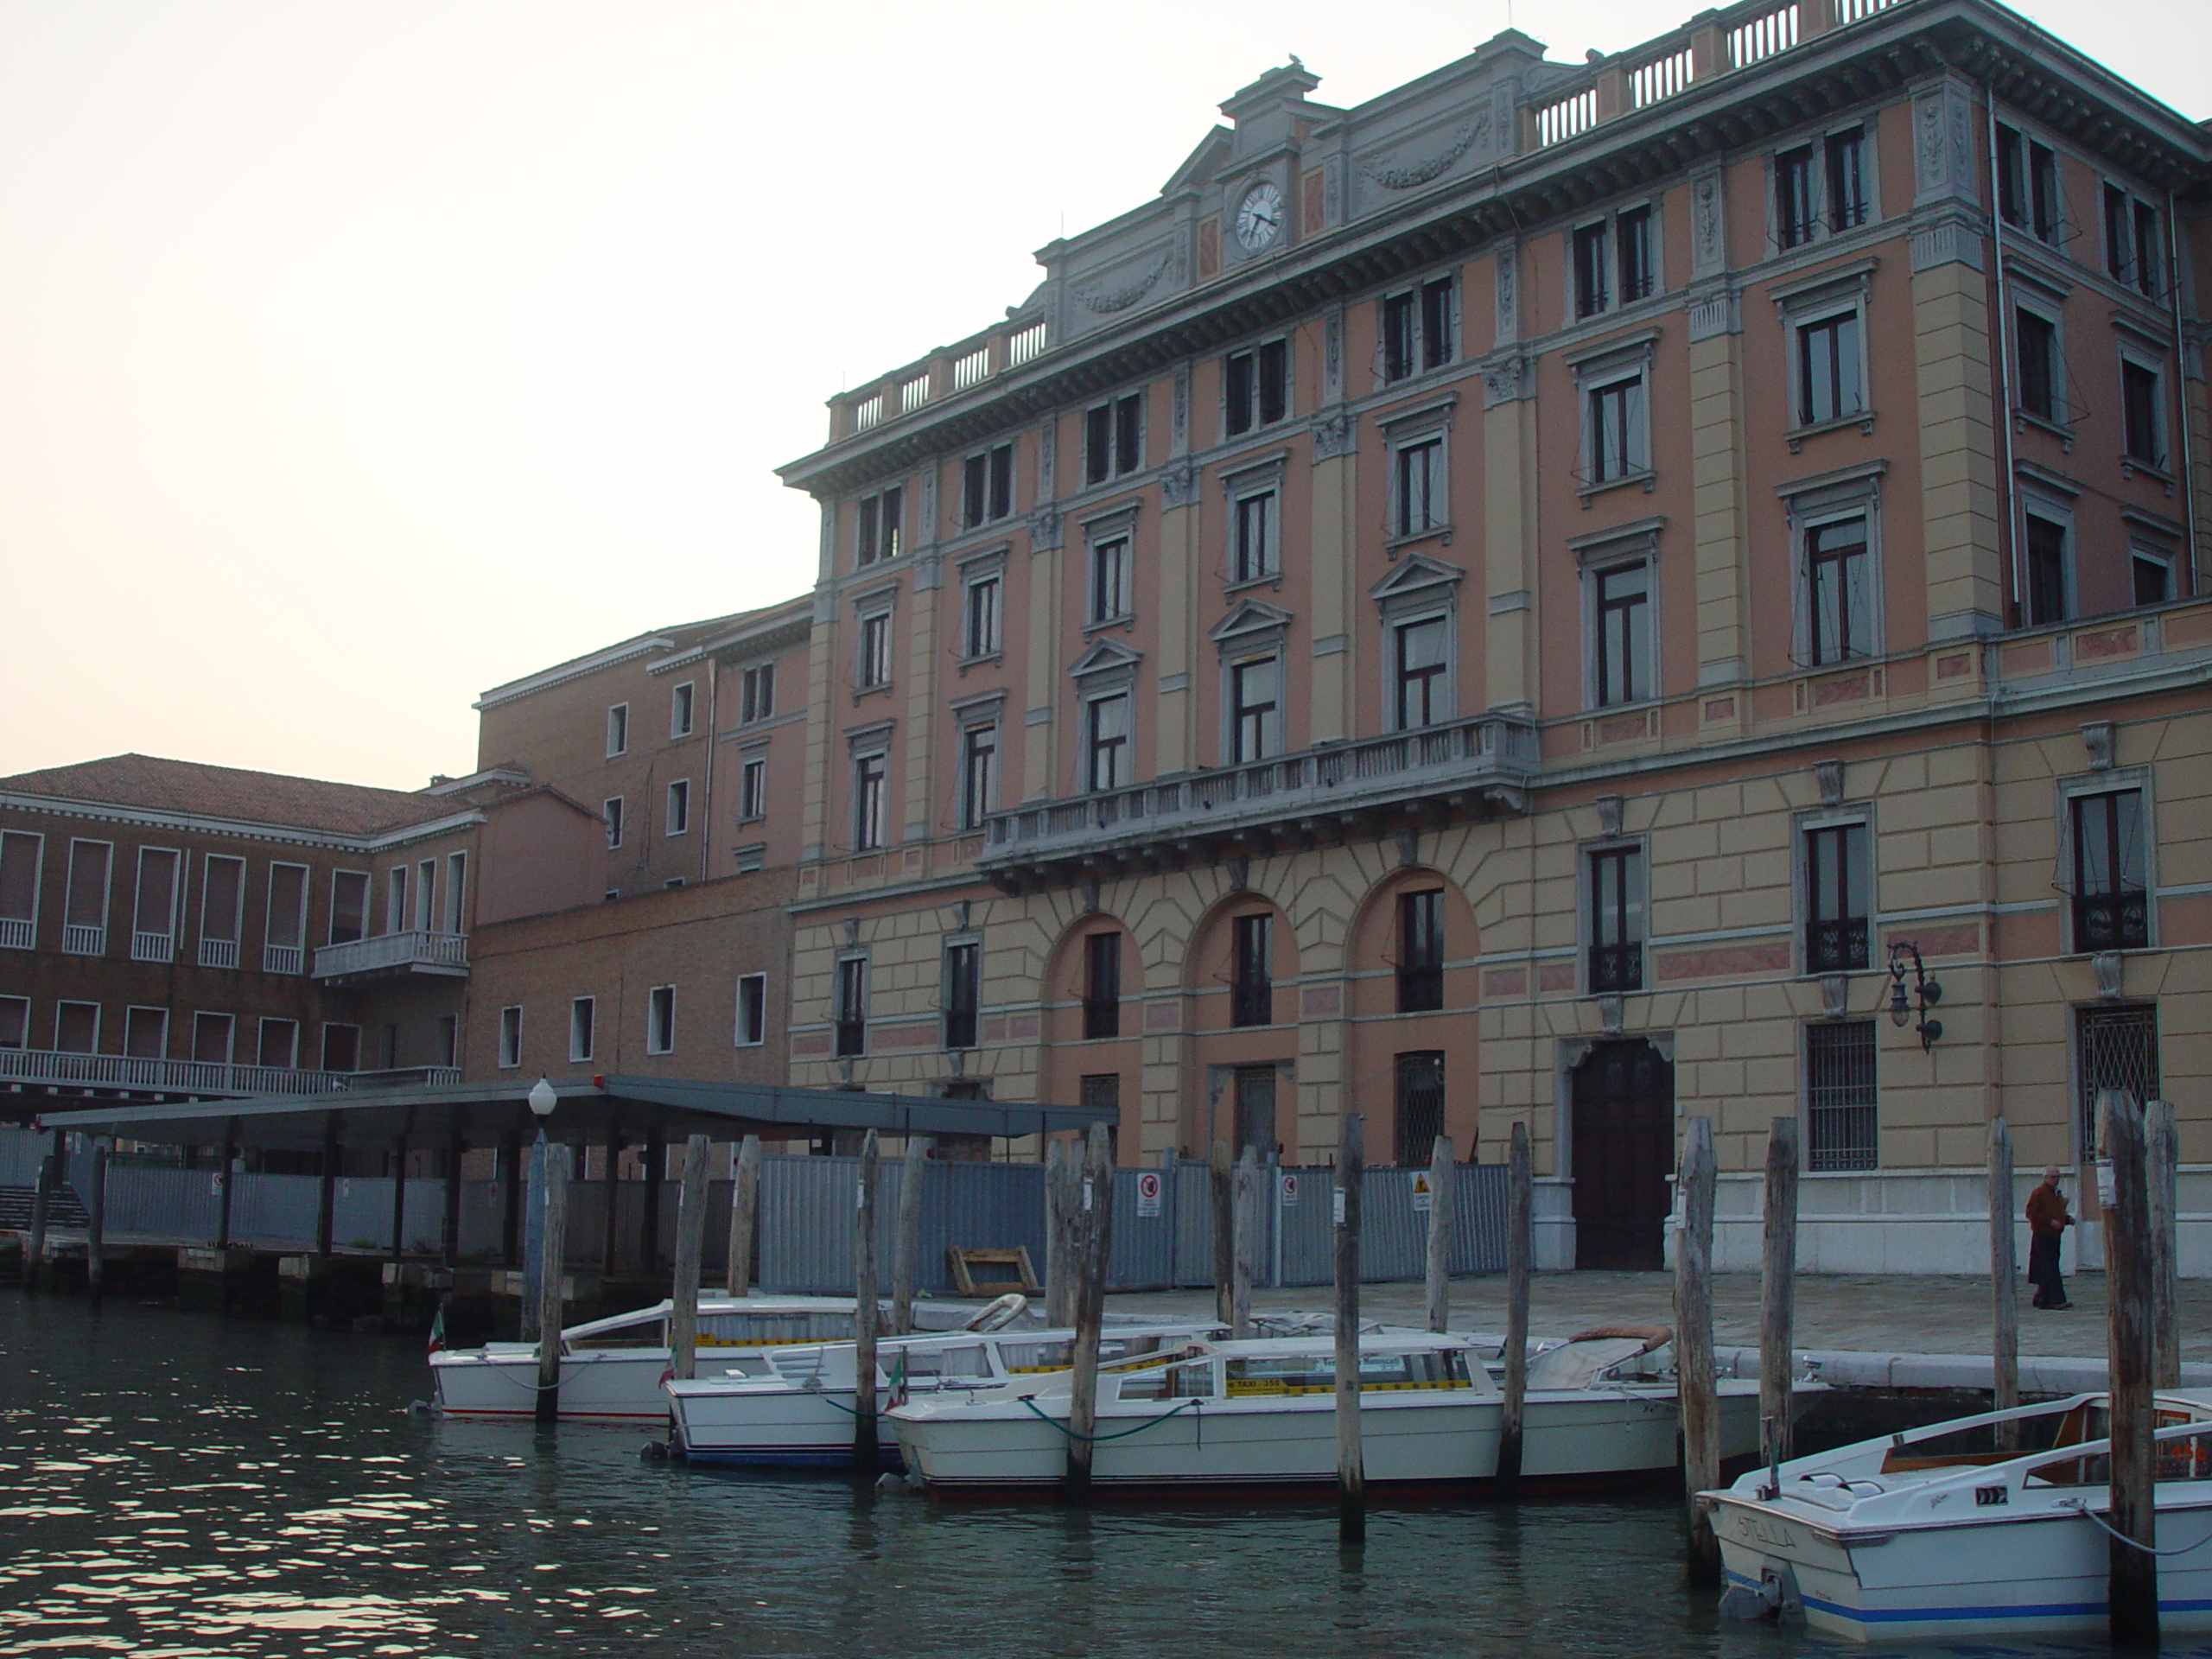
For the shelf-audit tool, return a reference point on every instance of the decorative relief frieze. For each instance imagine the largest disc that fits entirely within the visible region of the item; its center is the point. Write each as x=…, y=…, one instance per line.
x=1179, y=486
x=1332, y=434
x=1509, y=291
x=1708, y=224
x=1332, y=356
x=1943, y=152
x=1043, y=530
x=1105, y=300
x=1412, y=174
x=1507, y=379
x=1179, y=438
x=1048, y=460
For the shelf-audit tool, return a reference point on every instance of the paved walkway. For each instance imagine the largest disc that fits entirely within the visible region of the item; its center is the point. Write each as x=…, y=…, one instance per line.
x=1857, y=1313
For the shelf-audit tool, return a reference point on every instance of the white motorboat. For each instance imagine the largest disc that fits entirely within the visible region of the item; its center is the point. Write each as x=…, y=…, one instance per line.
x=1938, y=1533
x=794, y=1405
x=611, y=1369
x=1598, y=1411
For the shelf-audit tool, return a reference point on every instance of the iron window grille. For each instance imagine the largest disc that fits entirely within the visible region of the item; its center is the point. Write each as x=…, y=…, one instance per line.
x=2116, y=1048
x=1839, y=1099
x=1420, y=1115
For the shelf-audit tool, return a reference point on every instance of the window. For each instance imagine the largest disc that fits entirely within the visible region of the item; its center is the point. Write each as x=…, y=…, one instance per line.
x=1831, y=381
x=2116, y=1048
x=1420, y=1102
x=1255, y=1093
x=1252, y=991
x=610, y=809
x=395, y=900
x=1594, y=269
x=342, y=1048
x=1839, y=890
x=284, y=932
x=979, y=774
x=1618, y=441
x=1621, y=600
x=2154, y=575
x=1108, y=764
x=1417, y=328
x=2138, y=403
x=153, y=922
x=456, y=911
x=1109, y=580
x=660, y=1020
x=617, y=730
x=14, y=1022
x=1840, y=591
x=980, y=615
x=279, y=1048
x=2111, y=900
x=426, y=881
x=1420, y=950
x=349, y=906
x=448, y=1040
x=2131, y=241
x=752, y=1010
x=875, y=650
x=1254, y=549
x=876, y=529
x=1840, y=1095
x=986, y=487
x=145, y=1034
x=871, y=822
x=84, y=911
x=1616, y=936
x=680, y=701
x=2037, y=337
x=752, y=788
x=852, y=1006
x=222, y=906
x=211, y=1035
x=582, y=1012
x=1419, y=650
x=77, y=1027
x=1255, y=710
x=22, y=857
x=1113, y=438
x=679, y=807
x=1399, y=342
x=2027, y=184
x=1102, y=985
x=1417, y=480
x=1255, y=386
x=2047, y=570
x=1795, y=217
x=964, y=993
x=1639, y=266
x=756, y=693
x=510, y=1038
x=1846, y=179
x=1101, y=1091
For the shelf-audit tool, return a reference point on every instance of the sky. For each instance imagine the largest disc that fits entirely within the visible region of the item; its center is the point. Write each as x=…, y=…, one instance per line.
x=355, y=357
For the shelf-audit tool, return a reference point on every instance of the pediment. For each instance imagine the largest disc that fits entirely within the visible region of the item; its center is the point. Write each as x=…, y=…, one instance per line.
x=1105, y=657
x=1415, y=573
x=1203, y=164
x=1250, y=616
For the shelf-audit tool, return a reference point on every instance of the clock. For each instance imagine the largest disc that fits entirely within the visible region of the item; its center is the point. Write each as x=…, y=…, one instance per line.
x=1259, y=217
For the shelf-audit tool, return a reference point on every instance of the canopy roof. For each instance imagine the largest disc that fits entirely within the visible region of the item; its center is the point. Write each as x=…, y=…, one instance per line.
x=587, y=1111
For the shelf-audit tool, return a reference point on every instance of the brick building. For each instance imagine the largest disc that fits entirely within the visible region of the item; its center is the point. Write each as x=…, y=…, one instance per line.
x=1530, y=600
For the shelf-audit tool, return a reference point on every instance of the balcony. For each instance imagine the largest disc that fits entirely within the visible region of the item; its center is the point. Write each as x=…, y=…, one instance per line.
x=79, y=940
x=394, y=956
x=282, y=959
x=1471, y=768
x=18, y=933
x=125, y=1073
x=219, y=953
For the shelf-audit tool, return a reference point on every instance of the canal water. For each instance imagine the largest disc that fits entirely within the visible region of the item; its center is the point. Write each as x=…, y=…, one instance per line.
x=173, y=1485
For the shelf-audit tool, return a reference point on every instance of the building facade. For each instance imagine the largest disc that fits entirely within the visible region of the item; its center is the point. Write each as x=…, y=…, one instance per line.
x=1547, y=597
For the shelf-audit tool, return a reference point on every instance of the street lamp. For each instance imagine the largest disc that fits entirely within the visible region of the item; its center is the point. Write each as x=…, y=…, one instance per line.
x=1926, y=994
x=543, y=1099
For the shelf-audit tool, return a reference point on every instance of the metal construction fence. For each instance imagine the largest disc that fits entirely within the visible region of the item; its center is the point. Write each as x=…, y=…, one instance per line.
x=1162, y=1228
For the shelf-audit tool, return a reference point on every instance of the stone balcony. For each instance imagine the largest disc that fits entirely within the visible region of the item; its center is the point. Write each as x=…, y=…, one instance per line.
x=1479, y=767
x=131, y=1074
x=393, y=956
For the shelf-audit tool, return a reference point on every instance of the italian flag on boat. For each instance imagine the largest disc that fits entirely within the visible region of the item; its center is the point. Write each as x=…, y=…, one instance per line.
x=438, y=1329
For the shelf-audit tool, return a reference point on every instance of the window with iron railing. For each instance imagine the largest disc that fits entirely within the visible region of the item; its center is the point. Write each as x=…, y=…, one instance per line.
x=1252, y=990
x=1839, y=881
x=2111, y=903
x=1420, y=1102
x=964, y=993
x=852, y=1006
x=1616, y=926
x=1102, y=985
x=1420, y=950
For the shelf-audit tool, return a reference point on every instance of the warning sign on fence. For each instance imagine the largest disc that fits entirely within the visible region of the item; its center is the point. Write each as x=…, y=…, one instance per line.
x=1148, y=1192
x=1289, y=1189
x=1422, y=1195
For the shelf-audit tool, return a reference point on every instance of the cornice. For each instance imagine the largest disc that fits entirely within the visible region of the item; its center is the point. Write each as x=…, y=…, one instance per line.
x=628, y=651
x=239, y=829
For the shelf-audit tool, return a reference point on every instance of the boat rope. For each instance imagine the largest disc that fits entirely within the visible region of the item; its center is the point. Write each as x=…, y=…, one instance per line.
x=2088, y=1514
x=1119, y=1433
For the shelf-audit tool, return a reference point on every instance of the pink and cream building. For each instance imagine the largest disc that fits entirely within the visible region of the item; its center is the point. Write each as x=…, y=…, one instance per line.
x=1513, y=601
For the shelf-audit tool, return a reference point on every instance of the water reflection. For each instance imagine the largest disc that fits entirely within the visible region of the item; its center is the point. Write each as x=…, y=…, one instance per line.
x=176, y=1485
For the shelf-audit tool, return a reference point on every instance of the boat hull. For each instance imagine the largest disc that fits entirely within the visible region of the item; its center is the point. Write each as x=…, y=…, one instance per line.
x=618, y=1386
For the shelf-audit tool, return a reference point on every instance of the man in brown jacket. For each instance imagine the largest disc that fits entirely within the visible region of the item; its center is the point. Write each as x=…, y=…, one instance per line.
x=2048, y=1221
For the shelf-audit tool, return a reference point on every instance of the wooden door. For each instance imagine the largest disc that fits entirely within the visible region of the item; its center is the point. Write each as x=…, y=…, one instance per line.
x=1624, y=1152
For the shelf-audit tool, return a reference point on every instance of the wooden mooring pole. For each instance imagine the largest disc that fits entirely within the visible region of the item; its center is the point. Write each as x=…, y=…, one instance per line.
x=906, y=1237
x=744, y=1205
x=2003, y=1284
x=1778, y=1290
x=228, y=1176
x=1095, y=1231
x=1351, y=1469
x=1244, y=1211
x=2130, y=1288
x=1224, y=1233
x=50, y=1169
x=1439, y=1297
x=1520, y=1247
x=96, y=1223
x=552, y=1262
x=2160, y=1157
x=1693, y=1370
x=691, y=1245
x=865, y=1312
x=1060, y=1247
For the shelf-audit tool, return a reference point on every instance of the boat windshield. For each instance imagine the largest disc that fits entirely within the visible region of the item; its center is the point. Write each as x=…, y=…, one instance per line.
x=1191, y=1380
x=646, y=1333
x=749, y=1328
x=967, y=1360
x=1317, y=1373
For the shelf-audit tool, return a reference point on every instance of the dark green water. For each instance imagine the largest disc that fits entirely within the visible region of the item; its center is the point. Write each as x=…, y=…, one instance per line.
x=176, y=1484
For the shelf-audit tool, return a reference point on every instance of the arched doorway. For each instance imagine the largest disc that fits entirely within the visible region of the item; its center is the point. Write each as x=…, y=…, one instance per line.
x=1624, y=1152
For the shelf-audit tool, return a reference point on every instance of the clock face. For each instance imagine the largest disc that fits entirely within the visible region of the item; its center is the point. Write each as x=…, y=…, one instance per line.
x=1259, y=217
